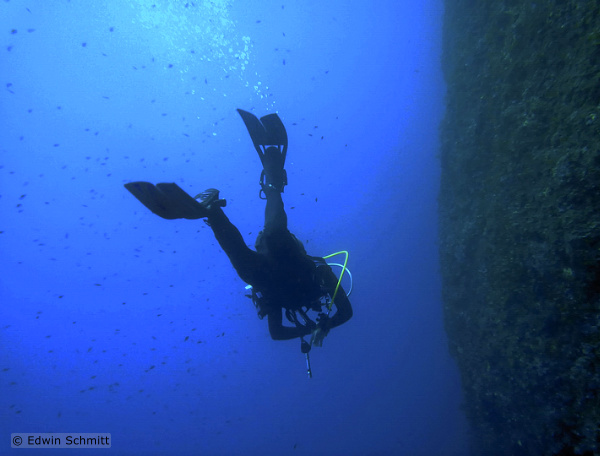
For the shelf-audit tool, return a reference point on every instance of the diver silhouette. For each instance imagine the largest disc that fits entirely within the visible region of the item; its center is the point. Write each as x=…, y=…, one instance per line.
x=282, y=277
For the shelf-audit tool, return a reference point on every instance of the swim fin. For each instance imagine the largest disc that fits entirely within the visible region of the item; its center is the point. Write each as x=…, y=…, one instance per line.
x=268, y=131
x=270, y=141
x=168, y=201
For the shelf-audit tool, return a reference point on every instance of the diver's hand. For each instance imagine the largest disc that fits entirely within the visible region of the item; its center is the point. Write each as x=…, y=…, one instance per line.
x=320, y=331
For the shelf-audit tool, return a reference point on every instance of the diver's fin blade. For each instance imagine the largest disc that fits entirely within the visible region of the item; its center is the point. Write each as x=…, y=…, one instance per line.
x=149, y=196
x=275, y=132
x=181, y=203
x=165, y=200
x=255, y=128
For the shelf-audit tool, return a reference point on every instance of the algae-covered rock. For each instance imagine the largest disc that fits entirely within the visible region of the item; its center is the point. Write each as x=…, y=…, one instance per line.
x=520, y=221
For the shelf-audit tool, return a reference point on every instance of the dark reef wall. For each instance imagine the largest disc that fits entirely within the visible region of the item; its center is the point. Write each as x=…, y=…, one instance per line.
x=520, y=221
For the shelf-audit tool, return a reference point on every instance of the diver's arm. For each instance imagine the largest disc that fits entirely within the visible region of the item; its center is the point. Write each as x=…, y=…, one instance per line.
x=343, y=309
x=280, y=332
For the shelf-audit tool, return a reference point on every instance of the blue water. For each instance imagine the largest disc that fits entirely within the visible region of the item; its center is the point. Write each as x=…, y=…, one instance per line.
x=114, y=320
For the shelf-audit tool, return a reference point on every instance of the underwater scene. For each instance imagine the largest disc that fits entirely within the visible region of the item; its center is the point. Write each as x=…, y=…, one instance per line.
x=131, y=290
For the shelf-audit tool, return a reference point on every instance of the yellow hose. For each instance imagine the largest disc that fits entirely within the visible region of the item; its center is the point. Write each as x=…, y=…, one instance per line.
x=341, y=275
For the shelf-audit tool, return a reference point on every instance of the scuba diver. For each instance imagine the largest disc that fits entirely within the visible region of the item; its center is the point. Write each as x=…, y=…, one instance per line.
x=280, y=274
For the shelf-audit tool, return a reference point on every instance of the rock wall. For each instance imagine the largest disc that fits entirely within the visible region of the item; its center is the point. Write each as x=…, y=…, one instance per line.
x=520, y=221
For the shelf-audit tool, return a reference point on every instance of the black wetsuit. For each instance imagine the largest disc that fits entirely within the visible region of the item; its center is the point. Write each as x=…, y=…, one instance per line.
x=280, y=269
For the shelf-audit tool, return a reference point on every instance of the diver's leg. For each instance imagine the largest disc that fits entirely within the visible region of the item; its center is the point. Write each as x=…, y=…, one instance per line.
x=247, y=263
x=275, y=178
x=275, y=216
